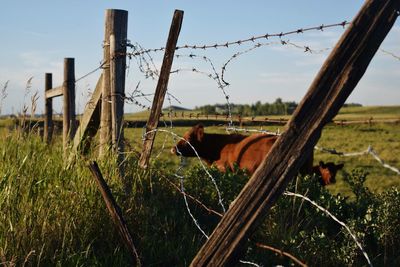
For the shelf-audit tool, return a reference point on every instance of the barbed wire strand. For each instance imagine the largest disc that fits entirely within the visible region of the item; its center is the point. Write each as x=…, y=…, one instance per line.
x=182, y=190
x=261, y=131
x=369, y=150
x=287, y=193
x=195, y=200
x=215, y=76
x=211, y=211
x=305, y=49
x=187, y=207
x=247, y=40
x=219, y=78
x=220, y=201
x=390, y=54
x=91, y=72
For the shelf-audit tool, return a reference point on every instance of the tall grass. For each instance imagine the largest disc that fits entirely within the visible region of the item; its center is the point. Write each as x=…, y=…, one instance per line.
x=55, y=216
x=50, y=215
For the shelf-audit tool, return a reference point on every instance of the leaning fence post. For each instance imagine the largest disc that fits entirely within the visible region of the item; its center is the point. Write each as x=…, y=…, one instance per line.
x=69, y=120
x=161, y=88
x=48, y=117
x=115, y=212
x=335, y=81
x=117, y=40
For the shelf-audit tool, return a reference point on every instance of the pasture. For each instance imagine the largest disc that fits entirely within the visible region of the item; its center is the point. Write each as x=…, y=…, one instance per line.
x=384, y=138
x=55, y=216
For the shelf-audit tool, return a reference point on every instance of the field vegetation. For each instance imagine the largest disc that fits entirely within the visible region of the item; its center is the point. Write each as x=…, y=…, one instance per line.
x=54, y=216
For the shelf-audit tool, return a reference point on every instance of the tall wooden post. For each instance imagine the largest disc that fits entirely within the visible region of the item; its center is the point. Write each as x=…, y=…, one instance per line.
x=335, y=81
x=117, y=42
x=69, y=118
x=48, y=109
x=116, y=25
x=161, y=88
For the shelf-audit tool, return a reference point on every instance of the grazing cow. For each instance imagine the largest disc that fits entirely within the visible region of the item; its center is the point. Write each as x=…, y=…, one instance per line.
x=224, y=151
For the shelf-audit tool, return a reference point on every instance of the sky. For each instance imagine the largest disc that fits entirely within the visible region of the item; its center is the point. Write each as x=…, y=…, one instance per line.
x=36, y=36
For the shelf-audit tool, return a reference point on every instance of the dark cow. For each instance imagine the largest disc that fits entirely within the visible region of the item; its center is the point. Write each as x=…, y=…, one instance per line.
x=247, y=152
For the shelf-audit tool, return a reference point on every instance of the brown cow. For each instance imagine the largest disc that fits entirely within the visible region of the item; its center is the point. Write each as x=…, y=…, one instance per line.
x=224, y=151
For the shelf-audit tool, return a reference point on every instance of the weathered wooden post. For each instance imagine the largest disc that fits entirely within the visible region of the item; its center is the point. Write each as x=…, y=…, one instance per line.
x=48, y=110
x=69, y=119
x=115, y=212
x=117, y=40
x=335, y=81
x=89, y=122
x=161, y=88
x=116, y=25
x=105, y=116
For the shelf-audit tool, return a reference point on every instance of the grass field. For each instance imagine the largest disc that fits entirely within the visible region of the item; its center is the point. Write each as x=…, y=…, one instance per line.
x=384, y=138
x=54, y=216
x=345, y=113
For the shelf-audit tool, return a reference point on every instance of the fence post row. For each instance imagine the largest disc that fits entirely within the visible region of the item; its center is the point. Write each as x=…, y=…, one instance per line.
x=69, y=118
x=113, y=90
x=48, y=109
x=68, y=91
x=335, y=81
x=161, y=88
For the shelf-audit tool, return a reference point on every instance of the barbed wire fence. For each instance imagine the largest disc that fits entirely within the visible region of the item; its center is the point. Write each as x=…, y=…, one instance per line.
x=146, y=65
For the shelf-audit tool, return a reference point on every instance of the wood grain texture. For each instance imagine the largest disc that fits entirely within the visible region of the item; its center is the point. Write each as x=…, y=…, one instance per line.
x=161, y=88
x=90, y=121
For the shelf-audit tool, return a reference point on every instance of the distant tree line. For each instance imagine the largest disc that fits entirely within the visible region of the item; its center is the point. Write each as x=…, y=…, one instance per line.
x=258, y=109
x=352, y=105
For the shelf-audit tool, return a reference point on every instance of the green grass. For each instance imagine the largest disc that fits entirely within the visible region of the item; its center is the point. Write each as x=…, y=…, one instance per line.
x=384, y=138
x=53, y=216
x=345, y=113
x=371, y=110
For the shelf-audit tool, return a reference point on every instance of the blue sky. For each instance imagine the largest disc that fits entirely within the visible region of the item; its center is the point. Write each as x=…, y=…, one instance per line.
x=37, y=35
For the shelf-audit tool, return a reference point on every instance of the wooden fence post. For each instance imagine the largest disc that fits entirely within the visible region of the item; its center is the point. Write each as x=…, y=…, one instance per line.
x=117, y=40
x=89, y=122
x=335, y=81
x=161, y=88
x=48, y=109
x=69, y=119
x=115, y=212
x=112, y=18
